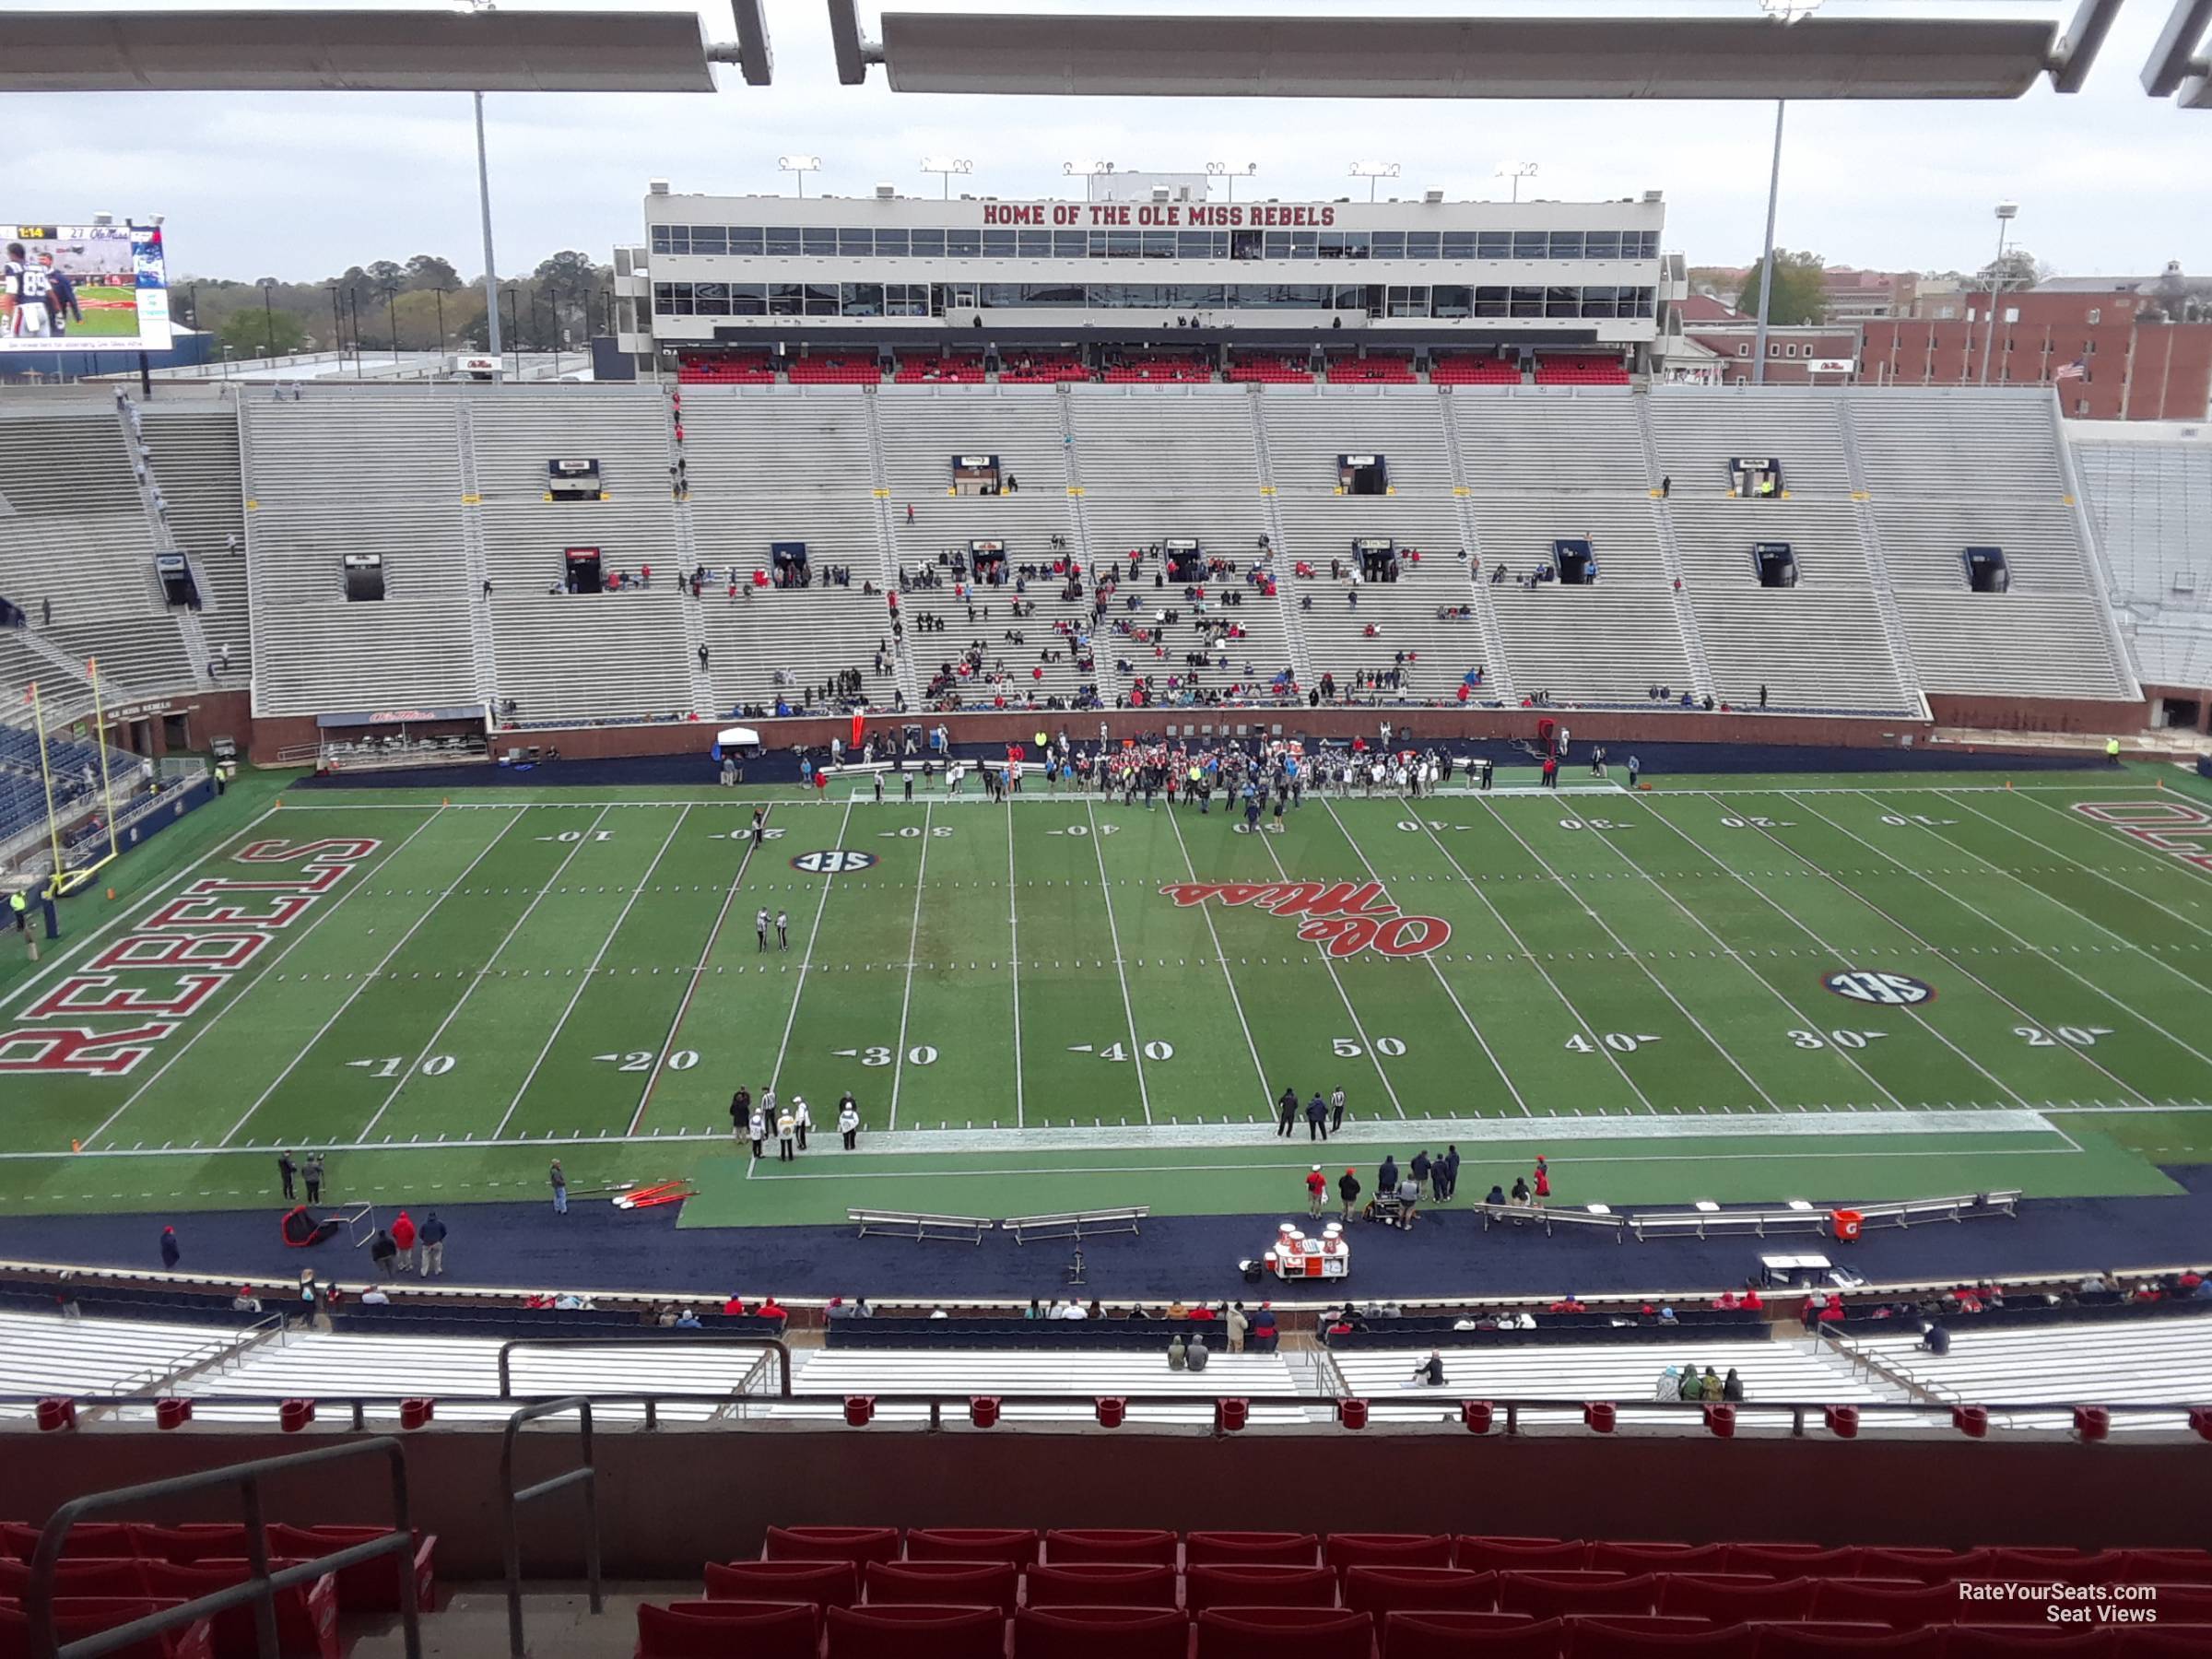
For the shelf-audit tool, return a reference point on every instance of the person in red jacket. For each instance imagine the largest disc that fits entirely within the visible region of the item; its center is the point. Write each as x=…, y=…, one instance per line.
x=1540, y=1185
x=770, y=1308
x=402, y=1235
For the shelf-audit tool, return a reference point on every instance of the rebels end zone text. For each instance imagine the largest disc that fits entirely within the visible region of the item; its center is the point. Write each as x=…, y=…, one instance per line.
x=194, y=942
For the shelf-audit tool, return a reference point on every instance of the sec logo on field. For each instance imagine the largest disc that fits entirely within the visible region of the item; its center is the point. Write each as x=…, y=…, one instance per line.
x=1890, y=990
x=833, y=860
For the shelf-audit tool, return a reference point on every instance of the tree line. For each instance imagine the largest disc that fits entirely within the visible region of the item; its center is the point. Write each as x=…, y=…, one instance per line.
x=421, y=304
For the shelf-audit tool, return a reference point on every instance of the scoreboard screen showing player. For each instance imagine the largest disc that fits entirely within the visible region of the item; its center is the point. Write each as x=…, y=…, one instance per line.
x=83, y=288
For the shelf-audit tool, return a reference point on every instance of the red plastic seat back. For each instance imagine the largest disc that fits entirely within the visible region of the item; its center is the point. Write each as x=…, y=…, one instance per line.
x=943, y=1584
x=716, y=1629
x=1735, y=1598
x=1628, y=1637
x=1521, y=1555
x=1101, y=1633
x=80, y=1576
x=1342, y=1550
x=1786, y=1641
x=366, y=1586
x=1152, y=1546
x=818, y=1583
x=1492, y=1635
x=103, y=1539
x=1791, y=1560
x=1560, y=1594
x=1924, y=1566
x=1285, y=1633
x=1383, y=1590
x=1015, y=1546
x=1258, y=1586
x=859, y=1545
x=2005, y=1641
x=197, y=1540
x=1258, y=1548
x=1102, y=1584
x=1899, y=1606
x=896, y=1632
x=80, y=1616
x=2167, y=1566
x=1657, y=1557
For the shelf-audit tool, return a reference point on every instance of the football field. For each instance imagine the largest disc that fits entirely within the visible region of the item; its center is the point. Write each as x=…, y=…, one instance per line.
x=1736, y=989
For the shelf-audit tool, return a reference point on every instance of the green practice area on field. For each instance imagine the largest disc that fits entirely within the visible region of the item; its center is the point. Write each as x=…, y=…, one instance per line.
x=1742, y=989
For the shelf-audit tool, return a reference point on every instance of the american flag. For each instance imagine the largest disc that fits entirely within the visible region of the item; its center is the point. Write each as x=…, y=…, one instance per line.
x=2076, y=370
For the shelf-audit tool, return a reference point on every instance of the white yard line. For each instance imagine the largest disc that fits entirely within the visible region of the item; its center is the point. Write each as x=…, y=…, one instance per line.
x=1350, y=1013
x=1114, y=932
x=1721, y=863
x=906, y=998
x=290, y=944
x=476, y=979
x=805, y=961
x=1956, y=959
x=1728, y=950
x=585, y=982
x=1573, y=1014
x=66, y=957
x=2066, y=857
x=1014, y=965
x=1504, y=1077
x=1642, y=967
x=2200, y=873
x=698, y=971
x=370, y=977
x=1220, y=956
x=2049, y=956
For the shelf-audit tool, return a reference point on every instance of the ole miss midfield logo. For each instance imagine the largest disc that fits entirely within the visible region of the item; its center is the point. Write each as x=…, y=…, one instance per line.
x=1343, y=917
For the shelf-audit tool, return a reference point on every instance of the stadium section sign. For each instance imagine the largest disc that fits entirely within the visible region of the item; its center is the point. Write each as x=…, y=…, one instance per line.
x=83, y=288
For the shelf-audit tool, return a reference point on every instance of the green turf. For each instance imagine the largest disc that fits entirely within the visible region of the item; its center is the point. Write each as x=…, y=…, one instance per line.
x=514, y=975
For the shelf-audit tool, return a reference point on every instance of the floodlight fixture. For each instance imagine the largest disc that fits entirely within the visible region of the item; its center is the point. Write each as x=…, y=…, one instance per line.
x=1232, y=172
x=945, y=167
x=1516, y=171
x=799, y=166
x=1372, y=171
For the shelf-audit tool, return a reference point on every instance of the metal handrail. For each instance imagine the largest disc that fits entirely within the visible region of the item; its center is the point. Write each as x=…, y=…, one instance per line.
x=259, y=1587
x=511, y=1501
x=781, y=1348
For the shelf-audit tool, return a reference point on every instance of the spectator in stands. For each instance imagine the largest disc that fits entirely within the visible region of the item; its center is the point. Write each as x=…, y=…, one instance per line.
x=735, y=1307
x=1669, y=1386
x=245, y=1301
x=1179, y=1357
x=1196, y=1354
x=1934, y=1340
x=1429, y=1372
x=1238, y=1325
x=171, y=1251
x=559, y=1183
x=432, y=1235
x=1732, y=1386
x=374, y=1297
x=403, y=1238
x=382, y=1252
x=1177, y=1309
x=687, y=1320
x=770, y=1308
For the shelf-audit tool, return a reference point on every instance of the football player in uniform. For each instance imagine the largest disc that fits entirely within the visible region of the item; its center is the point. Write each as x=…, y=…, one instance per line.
x=23, y=289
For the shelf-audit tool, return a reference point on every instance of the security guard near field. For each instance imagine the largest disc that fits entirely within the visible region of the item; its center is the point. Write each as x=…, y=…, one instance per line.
x=18, y=907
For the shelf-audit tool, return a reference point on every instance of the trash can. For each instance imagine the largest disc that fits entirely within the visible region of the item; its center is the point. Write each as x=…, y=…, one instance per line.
x=1847, y=1224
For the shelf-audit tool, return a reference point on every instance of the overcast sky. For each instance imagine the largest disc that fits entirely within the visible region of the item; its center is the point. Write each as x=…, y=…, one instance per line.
x=300, y=185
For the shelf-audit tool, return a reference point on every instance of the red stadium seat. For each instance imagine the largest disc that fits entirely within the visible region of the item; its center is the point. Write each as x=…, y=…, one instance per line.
x=859, y=1545
x=1926, y=1566
x=1473, y=1635
x=1900, y=1606
x=1380, y=1590
x=76, y=1616
x=1341, y=1550
x=1285, y=1633
x=1101, y=1633
x=1560, y=1594
x=1732, y=1598
x=1262, y=1585
x=121, y=1576
x=2184, y=1604
x=2166, y=1566
x=1625, y=1638
x=1792, y=1560
x=1152, y=1546
x=195, y=1542
x=818, y=1583
x=1102, y=1584
x=307, y=1616
x=717, y=1629
x=1256, y=1549
x=1015, y=1546
x=103, y=1539
x=1657, y=1557
x=892, y=1631
x=2164, y=1642
x=1521, y=1555
x=366, y=1586
x=2002, y=1641
x=943, y=1584
x=1788, y=1642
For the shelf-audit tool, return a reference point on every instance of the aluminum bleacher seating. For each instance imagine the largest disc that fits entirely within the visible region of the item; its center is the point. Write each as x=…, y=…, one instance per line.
x=2150, y=496
x=196, y=457
x=47, y=1354
x=1090, y=1373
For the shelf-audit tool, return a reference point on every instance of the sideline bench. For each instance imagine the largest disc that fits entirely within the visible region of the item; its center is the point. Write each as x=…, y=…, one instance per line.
x=1815, y=1218
x=1522, y=1215
x=1076, y=1224
x=915, y=1225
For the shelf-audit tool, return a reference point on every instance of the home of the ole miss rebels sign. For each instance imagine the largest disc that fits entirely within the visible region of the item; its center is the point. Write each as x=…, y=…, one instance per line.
x=1166, y=216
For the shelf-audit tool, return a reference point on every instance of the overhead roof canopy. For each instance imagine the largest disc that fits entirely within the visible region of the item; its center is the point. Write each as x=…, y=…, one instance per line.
x=446, y=50
x=1590, y=57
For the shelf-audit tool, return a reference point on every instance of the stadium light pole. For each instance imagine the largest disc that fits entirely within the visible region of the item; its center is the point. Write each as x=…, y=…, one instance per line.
x=514, y=329
x=945, y=167
x=442, y=290
x=337, y=324
x=1373, y=170
x=392, y=319
x=1766, y=258
x=799, y=166
x=268, y=318
x=2007, y=212
x=1224, y=170
x=491, y=278
x=1516, y=171
x=353, y=304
